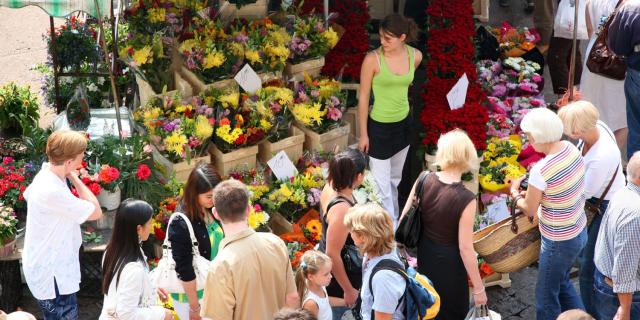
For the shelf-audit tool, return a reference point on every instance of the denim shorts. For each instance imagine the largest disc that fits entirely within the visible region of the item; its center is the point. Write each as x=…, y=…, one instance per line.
x=62, y=307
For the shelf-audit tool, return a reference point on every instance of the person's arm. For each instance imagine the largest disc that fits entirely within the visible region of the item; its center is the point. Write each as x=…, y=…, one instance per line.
x=624, y=311
x=383, y=316
x=468, y=254
x=417, y=60
x=336, y=237
x=85, y=194
x=533, y=195
x=369, y=65
x=129, y=291
x=409, y=202
x=312, y=307
x=337, y=302
x=620, y=36
x=588, y=19
x=387, y=287
x=626, y=259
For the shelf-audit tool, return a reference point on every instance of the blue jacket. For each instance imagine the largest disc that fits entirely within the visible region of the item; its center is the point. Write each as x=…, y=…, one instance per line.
x=624, y=33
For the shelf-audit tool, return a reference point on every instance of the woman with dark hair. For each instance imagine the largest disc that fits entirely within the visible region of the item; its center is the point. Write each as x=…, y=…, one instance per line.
x=128, y=291
x=197, y=204
x=385, y=132
x=346, y=173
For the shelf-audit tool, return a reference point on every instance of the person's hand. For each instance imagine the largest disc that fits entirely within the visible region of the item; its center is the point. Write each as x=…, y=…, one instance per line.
x=515, y=184
x=363, y=144
x=194, y=312
x=73, y=174
x=480, y=298
x=163, y=295
x=168, y=314
x=350, y=297
x=622, y=314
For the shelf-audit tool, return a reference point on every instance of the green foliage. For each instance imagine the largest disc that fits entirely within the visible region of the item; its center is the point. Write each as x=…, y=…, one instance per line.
x=241, y=3
x=18, y=107
x=75, y=44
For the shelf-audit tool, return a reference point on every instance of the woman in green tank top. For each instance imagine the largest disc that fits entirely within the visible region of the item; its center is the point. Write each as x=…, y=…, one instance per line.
x=385, y=131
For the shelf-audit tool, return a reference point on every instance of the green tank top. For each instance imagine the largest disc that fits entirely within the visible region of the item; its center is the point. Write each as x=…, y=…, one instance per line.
x=391, y=92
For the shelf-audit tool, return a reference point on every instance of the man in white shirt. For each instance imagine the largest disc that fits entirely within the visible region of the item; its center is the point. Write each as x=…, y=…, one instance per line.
x=53, y=238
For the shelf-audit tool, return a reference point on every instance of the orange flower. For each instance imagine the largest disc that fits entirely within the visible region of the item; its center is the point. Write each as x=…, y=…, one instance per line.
x=225, y=122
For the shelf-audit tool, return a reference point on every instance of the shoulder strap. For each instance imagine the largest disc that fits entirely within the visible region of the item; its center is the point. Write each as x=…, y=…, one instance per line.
x=378, y=59
x=194, y=242
x=417, y=196
x=391, y=265
x=336, y=200
x=606, y=190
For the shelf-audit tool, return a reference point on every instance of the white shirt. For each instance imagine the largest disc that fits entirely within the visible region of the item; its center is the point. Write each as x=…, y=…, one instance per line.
x=600, y=163
x=134, y=298
x=388, y=287
x=53, y=237
x=324, y=308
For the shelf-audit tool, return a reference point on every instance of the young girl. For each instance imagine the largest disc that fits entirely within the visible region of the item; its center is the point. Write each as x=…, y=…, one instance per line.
x=313, y=275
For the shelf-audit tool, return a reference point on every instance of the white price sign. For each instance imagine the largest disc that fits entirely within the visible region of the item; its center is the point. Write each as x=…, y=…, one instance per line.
x=458, y=93
x=282, y=166
x=248, y=79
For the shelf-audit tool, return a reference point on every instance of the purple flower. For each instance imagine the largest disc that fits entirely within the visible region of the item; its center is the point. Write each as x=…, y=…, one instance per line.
x=499, y=90
x=335, y=101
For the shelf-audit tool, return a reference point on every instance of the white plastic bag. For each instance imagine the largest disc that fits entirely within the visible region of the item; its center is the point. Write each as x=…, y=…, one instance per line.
x=482, y=313
x=563, y=24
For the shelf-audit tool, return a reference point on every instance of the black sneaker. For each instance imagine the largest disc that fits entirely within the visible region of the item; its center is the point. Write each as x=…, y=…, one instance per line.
x=529, y=7
x=504, y=3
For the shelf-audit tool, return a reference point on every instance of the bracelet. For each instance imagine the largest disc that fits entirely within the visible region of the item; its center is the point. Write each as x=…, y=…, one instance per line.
x=477, y=293
x=194, y=310
x=516, y=198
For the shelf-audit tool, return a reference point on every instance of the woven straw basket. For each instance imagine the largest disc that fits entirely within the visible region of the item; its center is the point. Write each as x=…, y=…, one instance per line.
x=510, y=244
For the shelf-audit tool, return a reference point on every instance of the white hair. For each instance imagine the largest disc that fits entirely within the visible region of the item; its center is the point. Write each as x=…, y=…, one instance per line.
x=543, y=125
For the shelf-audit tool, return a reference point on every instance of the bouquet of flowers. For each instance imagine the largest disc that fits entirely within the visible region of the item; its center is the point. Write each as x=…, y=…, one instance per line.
x=310, y=38
x=368, y=190
x=500, y=163
x=254, y=180
x=236, y=125
x=149, y=56
x=513, y=77
x=152, y=16
x=273, y=103
x=263, y=43
x=293, y=196
x=8, y=224
x=258, y=219
x=179, y=129
x=514, y=42
x=15, y=176
x=160, y=220
x=206, y=53
x=319, y=104
x=499, y=125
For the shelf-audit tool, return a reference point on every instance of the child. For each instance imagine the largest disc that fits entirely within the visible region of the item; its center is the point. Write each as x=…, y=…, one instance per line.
x=313, y=275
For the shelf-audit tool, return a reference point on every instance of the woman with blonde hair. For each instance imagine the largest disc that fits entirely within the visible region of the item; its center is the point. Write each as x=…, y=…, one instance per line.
x=603, y=166
x=371, y=228
x=445, y=251
x=556, y=196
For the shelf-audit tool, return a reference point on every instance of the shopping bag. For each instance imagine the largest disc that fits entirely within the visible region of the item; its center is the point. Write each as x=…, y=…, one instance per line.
x=482, y=313
x=563, y=24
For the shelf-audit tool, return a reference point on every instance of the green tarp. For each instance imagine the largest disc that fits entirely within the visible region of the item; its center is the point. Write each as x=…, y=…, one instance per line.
x=61, y=8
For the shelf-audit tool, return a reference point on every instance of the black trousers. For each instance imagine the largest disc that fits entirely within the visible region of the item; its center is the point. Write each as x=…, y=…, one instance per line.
x=444, y=267
x=559, y=60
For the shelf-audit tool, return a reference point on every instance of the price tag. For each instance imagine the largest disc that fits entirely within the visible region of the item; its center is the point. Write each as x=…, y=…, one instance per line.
x=458, y=93
x=498, y=210
x=282, y=166
x=248, y=79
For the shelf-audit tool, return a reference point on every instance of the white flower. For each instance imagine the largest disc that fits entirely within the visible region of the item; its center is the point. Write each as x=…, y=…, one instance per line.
x=92, y=87
x=101, y=80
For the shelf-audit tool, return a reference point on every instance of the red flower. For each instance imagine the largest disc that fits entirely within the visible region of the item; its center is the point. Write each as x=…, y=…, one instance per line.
x=95, y=188
x=75, y=192
x=109, y=174
x=143, y=173
x=159, y=234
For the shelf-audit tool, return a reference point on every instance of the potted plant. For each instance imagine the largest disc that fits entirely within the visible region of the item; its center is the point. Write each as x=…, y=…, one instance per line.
x=18, y=110
x=15, y=176
x=8, y=230
x=75, y=44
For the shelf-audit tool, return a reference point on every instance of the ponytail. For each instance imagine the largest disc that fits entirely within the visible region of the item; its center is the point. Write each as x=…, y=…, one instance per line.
x=301, y=283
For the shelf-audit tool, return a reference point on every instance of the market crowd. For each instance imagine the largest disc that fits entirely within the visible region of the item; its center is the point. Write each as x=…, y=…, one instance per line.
x=587, y=210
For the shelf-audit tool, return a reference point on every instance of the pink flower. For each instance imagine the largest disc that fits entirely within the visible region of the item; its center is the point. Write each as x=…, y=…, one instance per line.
x=7, y=160
x=334, y=113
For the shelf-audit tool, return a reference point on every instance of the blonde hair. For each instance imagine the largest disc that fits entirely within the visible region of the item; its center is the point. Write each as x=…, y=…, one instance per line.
x=64, y=145
x=456, y=150
x=310, y=264
x=372, y=223
x=574, y=314
x=543, y=125
x=579, y=117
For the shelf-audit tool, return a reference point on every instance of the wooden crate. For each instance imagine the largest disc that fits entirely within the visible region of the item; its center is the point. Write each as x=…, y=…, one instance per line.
x=225, y=162
x=279, y=224
x=292, y=145
x=199, y=86
x=180, y=169
x=254, y=11
x=481, y=10
x=333, y=140
x=145, y=92
x=351, y=118
x=311, y=67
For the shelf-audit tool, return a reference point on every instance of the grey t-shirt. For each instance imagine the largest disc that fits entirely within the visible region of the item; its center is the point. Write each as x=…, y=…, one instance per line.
x=388, y=287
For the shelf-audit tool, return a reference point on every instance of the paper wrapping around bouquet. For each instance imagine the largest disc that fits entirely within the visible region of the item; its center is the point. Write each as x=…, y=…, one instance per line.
x=295, y=232
x=200, y=86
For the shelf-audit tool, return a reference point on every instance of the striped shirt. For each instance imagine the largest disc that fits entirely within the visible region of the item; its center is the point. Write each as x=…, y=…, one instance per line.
x=560, y=176
x=617, y=253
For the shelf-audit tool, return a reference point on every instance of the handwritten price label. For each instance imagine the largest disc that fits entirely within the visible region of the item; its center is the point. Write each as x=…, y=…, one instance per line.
x=248, y=79
x=458, y=94
x=282, y=166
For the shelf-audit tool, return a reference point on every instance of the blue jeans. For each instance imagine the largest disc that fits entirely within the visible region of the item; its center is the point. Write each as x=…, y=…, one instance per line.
x=632, y=95
x=62, y=307
x=554, y=291
x=338, y=312
x=606, y=301
x=587, y=264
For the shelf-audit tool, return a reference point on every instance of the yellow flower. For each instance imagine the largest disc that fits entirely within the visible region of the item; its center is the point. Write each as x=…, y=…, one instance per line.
x=229, y=136
x=175, y=142
x=283, y=95
x=229, y=100
x=204, y=130
x=279, y=52
x=183, y=108
x=308, y=114
x=280, y=36
x=236, y=49
x=284, y=189
x=331, y=37
x=213, y=60
x=253, y=56
x=315, y=226
x=149, y=116
x=187, y=45
x=156, y=15
x=266, y=125
x=256, y=218
x=257, y=191
x=142, y=56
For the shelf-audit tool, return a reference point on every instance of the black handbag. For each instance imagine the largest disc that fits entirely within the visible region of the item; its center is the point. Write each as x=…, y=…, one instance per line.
x=410, y=227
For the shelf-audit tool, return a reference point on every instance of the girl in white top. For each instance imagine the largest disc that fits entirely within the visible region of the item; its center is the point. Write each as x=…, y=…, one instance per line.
x=128, y=291
x=312, y=277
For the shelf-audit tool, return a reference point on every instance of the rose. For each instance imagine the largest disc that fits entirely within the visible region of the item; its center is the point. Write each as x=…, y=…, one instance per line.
x=143, y=173
x=95, y=188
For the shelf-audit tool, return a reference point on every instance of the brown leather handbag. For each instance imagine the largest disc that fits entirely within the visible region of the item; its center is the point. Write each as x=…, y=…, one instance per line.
x=601, y=59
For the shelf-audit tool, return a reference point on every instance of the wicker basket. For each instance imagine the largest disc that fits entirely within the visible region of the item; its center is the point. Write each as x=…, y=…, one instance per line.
x=510, y=244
